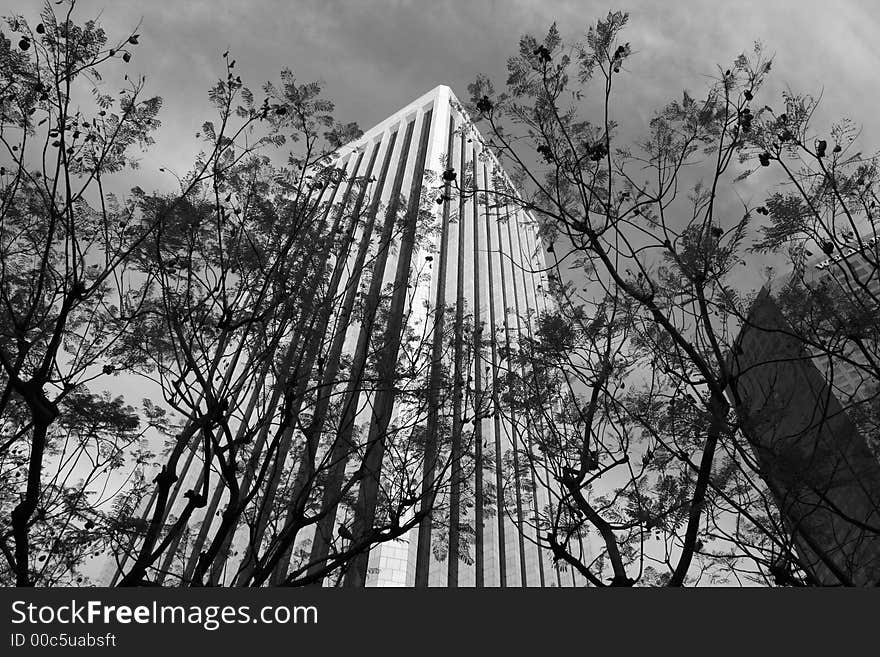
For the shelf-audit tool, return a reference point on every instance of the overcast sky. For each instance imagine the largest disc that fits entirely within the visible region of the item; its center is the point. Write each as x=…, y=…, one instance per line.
x=377, y=55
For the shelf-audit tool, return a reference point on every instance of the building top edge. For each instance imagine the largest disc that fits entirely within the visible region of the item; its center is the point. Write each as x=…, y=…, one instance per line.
x=441, y=97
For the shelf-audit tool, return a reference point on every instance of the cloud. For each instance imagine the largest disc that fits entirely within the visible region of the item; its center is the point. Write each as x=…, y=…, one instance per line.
x=377, y=55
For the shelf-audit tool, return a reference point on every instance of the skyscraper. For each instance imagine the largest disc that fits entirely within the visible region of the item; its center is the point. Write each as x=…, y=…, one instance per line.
x=427, y=275
x=482, y=289
x=802, y=384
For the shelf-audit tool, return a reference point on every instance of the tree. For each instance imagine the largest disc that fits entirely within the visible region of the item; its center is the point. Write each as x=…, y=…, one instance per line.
x=229, y=300
x=60, y=254
x=656, y=449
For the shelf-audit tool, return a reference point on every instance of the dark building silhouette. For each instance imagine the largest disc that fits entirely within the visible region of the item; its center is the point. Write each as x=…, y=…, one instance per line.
x=799, y=405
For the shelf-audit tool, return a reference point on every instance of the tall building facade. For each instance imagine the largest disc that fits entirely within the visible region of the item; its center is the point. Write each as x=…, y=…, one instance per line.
x=480, y=285
x=803, y=404
x=437, y=274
